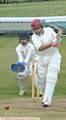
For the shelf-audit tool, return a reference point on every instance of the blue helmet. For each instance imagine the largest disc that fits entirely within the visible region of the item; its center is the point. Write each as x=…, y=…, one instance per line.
x=23, y=35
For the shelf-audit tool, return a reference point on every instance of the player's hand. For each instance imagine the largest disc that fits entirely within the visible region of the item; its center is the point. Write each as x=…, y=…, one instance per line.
x=13, y=67
x=18, y=67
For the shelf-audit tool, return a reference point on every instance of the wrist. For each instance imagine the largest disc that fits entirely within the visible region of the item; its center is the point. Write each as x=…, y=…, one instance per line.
x=55, y=44
x=51, y=44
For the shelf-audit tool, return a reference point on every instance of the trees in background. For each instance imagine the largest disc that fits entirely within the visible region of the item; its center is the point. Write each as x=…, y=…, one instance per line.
x=3, y=1
x=17, y=1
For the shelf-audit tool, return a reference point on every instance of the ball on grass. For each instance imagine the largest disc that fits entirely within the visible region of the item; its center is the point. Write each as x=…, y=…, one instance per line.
x=6, y=106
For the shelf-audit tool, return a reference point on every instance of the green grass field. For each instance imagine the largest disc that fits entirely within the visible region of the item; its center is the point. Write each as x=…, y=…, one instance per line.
x=34, y=9
x=8, y=82
x=8, y=56
x=9, y=87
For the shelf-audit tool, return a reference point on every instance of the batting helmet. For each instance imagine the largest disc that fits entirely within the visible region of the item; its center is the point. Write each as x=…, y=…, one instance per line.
x=23, y=35
x=36, y=24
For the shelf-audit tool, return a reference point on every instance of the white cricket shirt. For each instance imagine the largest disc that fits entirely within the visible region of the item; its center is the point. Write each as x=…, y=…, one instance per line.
x=25, y=53
x=48, y=36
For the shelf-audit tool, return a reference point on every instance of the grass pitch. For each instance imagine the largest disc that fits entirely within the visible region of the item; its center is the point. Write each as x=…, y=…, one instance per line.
x=27, y=107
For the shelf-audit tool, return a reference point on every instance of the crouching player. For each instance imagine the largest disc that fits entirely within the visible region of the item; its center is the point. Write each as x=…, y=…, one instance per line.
x=25, y=53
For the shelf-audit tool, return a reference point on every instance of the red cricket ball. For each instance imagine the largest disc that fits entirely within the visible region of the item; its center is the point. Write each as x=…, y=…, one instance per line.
x=6, y=106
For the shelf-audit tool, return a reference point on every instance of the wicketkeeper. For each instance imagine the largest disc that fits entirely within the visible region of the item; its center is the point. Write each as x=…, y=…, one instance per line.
x=46, y=43
x=26, y=54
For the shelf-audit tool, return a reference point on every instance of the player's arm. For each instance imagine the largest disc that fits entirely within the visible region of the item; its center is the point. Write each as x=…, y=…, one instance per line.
x=29, y=55
x=50, y=44
x=19, y=55
x=55, y=37
x=55, y=40
x=39, y=45
x=44, y=46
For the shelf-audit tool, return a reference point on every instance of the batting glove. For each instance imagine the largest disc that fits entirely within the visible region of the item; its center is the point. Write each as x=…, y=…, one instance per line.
x=23, y=63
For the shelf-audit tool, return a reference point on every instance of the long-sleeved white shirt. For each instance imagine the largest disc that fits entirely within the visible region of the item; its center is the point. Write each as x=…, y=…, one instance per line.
x=25, y=53
x=48, y=36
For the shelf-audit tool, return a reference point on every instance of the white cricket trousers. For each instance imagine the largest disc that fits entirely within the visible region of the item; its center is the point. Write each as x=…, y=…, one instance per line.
x=53, y=69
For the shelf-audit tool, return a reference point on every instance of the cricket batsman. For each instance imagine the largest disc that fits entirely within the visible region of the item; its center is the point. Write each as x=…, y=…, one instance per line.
x=46, y=43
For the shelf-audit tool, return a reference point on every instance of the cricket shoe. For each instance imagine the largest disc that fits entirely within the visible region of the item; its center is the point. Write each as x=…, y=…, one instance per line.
x=45, y=103
x=22, y=92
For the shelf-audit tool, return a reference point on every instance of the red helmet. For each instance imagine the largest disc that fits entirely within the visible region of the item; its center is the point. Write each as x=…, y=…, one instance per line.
x=36, y=24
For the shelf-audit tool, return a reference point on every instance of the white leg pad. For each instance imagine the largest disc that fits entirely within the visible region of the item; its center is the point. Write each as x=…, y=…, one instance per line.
x=49, y=90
